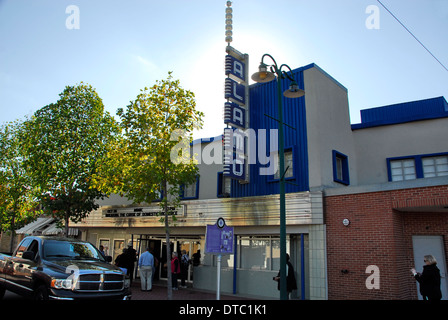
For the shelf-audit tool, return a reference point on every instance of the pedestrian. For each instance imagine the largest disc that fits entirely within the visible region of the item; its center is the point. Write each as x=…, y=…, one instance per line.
x=121, y=261
x=197, y=258
x=429, y=279
x=131, y=257
x=146, y=265
x=102, y=251
x=175, y=270
x=184, y=264
x=291, y=283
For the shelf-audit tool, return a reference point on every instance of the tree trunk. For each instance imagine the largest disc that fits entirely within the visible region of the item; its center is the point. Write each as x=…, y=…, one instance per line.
x=168, y=246
x=13, y=232
x=67, y=214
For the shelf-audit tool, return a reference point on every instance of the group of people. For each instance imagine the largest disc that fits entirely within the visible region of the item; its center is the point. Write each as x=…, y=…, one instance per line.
x=179, y=268
x=126, y=260
x=147, y=264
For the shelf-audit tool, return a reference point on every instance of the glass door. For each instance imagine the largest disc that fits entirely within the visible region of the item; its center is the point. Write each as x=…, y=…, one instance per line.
x=118, y=249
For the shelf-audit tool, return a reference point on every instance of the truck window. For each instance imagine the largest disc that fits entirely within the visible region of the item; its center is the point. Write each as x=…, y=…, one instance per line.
x=22, y=247
x=34, y=246
x=54, y=249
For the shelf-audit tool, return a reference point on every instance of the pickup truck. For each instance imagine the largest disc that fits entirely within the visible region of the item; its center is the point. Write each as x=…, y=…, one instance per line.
x=47, y=268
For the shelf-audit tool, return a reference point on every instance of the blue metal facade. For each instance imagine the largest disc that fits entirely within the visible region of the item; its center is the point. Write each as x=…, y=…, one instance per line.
x=403, y=112
x=263, y=108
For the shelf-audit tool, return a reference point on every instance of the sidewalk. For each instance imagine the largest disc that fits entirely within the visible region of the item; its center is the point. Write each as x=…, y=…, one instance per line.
x=159, y=292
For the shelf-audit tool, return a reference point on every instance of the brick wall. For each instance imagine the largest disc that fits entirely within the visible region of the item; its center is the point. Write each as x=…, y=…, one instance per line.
x=379, y=235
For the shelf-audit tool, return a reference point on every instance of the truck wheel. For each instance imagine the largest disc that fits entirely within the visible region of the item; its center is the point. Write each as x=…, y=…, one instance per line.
x=41, y=293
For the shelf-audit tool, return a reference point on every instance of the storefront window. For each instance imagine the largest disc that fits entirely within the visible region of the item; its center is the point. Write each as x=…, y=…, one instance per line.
x=105, y=243
x=118, y=249
x=255, y=253
x=259, y=253
x=275, y=249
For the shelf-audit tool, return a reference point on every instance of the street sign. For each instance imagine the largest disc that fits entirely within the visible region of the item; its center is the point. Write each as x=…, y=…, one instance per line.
x=219, y=240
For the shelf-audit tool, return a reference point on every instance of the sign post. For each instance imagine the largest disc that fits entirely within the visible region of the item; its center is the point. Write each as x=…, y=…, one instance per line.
x=218, y=278
x=219, y=241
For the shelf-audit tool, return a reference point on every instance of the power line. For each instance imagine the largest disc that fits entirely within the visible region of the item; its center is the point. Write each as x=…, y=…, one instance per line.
x=412, y=35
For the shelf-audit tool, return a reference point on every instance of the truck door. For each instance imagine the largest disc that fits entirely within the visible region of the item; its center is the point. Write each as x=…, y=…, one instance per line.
x=20, y=272
x=26, y=267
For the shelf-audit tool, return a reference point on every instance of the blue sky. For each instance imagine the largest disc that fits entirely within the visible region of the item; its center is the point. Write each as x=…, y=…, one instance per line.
x=123, y=46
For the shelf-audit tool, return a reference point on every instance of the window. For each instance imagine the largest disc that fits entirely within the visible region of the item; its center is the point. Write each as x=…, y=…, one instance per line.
x=158, y=195
x=289, y=164
x=223, y=186
x=403, y=170
x=417, y=167
x=34, y=247
x=255, y=253
x=435, y=166
x=191, y=191
x=340, y=168
x=259, y=252
x=22, y=247
x=106, y=246
x=67, y=249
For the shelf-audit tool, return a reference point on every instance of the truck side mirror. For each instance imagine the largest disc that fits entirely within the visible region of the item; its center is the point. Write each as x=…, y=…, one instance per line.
x=29, y=255
x=108, y=259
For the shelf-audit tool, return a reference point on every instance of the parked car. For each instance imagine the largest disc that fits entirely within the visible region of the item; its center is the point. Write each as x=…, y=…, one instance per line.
x=62, y=269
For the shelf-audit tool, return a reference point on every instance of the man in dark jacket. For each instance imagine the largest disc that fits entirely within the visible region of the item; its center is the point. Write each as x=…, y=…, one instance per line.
x=429, y=279
x=291, y=283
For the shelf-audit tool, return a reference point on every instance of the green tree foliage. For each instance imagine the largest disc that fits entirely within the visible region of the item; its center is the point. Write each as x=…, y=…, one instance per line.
x=18, y=201
x=65, y=142
x=152, y=157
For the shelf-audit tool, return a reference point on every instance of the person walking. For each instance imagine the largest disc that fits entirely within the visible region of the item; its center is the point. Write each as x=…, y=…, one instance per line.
x=429, y=279
x=131, y=257
x=121, y=261
x=175, y=270
x=184, y=263
x=291, y=283
x=146, y=265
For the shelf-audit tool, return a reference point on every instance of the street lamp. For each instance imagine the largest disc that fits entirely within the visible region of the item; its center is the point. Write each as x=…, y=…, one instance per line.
x=266, y=74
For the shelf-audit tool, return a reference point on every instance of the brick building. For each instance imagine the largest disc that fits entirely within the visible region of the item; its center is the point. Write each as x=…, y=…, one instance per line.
x=380, y=232
x=398, y=211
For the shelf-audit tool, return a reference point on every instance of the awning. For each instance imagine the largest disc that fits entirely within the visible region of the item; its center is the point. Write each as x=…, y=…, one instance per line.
x=53, y=230
x=46, y=227
x=35, y=226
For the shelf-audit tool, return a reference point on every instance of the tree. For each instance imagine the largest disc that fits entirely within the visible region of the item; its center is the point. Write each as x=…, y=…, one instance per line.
x=65, y=142
x=147, y=160
x=18, y=201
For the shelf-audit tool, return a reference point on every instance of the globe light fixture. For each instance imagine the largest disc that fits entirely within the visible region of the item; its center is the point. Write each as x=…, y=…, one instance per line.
x=263, y=75
x=294, y=91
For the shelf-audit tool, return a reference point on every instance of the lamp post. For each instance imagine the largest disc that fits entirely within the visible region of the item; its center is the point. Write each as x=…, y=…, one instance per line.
x=265, y=75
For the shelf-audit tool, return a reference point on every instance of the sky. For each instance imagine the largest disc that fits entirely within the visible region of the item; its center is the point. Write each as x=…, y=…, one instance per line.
x=120, y=47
